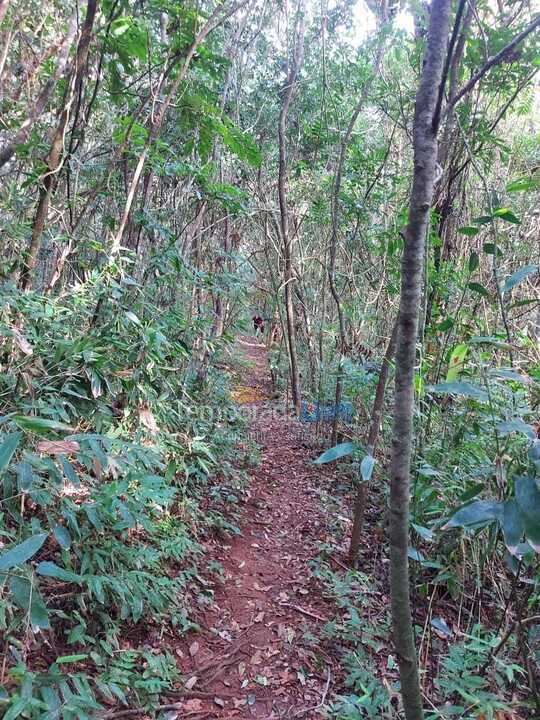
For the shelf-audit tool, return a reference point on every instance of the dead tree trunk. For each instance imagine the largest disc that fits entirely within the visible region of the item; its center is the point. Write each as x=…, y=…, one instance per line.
x=286, y=240
x=425, y=160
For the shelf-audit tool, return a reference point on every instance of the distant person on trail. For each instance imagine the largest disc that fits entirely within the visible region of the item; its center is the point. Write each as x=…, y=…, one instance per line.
x=258, y=324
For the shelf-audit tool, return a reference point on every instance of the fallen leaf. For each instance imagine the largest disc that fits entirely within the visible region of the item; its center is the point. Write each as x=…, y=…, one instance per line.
x=190, y=684
x=148, y=420
x=256, y=658
x=194, y=648
x=58, y=447
x=219, y=701
x=22, y=342
x=261, y=588
x=193, y=705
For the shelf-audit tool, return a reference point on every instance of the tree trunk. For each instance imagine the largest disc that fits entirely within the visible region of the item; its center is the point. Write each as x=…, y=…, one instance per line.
x=374, y=431
x=425, y=159
x=286, y=240
x=55, y=156
x=334, y=236
x=219, y=295
x=22, y=134
x=217, y=18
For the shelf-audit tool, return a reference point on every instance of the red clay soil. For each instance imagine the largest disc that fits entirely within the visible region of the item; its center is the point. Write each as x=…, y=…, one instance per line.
x=258, y=655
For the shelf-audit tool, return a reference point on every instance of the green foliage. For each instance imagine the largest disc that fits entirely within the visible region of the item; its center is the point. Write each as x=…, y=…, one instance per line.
x=466, y=691
x=113, y=464
x=336, y=452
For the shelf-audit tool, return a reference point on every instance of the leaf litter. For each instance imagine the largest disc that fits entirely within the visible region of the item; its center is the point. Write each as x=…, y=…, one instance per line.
x=255, y=655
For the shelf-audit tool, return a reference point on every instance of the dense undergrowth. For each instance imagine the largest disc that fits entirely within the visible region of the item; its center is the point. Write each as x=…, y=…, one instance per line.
x=117, y=457
x=474, y=541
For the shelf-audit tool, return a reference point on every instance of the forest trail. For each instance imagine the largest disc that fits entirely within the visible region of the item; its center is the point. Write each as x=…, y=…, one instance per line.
x=258, y=656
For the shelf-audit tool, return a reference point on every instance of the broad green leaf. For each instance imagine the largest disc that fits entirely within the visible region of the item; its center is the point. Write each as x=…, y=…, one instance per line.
x=445, y=325
x=483, y=220
x=491, y=249
x=336, y=452
x=93, y=515
x=469, y=230
x=7, y=449
x=22, y=552
x=25, y=477
x=52, y=701
x=16, y=709
x=70, y=658
x=509, y=374
x=471, y=492
x=475, y=514
x=415, y=554
x=479, y=288
x=62, y=535
x=39, y=425
x=461, y=388
x=456, y=362
x=506, y=214
x=131, y=316
x=522, y=185
x=69, y=470
x=240, y=143
x=512, y=525
x=27, y=597
x=528, y=500
x=50, y=569
x=424, y=532
x=366, y=467
x=474, y=262
x=518, y=276
x=516, y=425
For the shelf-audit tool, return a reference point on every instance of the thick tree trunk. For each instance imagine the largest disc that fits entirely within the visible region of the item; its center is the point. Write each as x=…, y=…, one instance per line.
x=425, y=159
x=288, y=277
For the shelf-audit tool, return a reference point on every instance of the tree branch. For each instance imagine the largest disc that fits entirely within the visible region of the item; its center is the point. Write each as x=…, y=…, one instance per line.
x=491, y=62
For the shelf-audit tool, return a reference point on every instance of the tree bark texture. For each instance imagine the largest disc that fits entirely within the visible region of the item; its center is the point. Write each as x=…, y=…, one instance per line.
x=425, y=159
x=286, y=240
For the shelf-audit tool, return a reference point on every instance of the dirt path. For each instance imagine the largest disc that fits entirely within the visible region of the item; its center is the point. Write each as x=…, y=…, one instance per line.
x=258, y=656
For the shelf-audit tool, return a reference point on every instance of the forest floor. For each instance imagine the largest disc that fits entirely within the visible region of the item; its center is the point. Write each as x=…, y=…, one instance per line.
x=258, y=654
